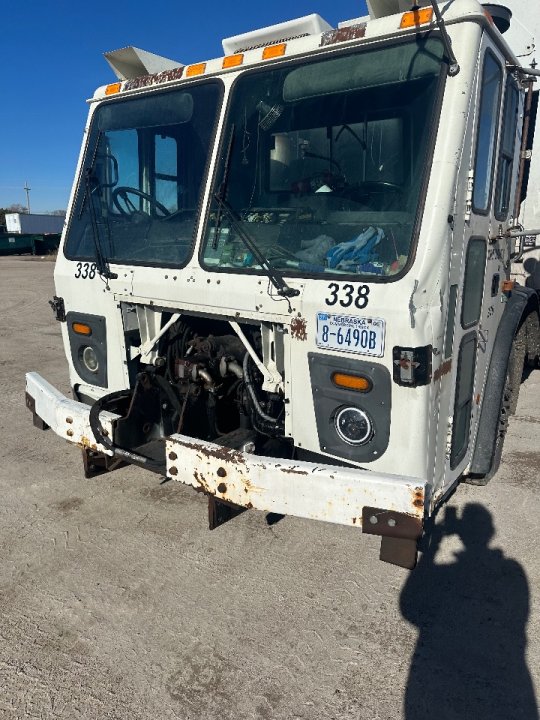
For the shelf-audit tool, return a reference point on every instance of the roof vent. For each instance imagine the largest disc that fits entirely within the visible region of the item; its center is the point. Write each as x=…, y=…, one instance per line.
x=308, y=25
x=382, y=8
x=131, y=62
x=501, y=16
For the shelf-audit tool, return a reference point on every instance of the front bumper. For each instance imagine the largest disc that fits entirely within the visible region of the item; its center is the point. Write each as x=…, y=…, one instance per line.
x=380, y=504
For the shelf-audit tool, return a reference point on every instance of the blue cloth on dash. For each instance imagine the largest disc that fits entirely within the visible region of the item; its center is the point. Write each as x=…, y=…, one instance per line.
x=348, y=255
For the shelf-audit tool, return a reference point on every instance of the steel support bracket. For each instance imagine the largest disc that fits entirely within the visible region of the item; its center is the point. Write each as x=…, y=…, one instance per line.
x=220, y=512
x=399, y=535
x=96, y=463
x=31, y=405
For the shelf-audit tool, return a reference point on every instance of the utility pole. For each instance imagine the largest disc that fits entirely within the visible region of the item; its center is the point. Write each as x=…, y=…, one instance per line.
x=27, y=195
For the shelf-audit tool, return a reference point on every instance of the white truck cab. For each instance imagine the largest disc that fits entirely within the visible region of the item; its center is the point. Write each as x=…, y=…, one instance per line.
x=286, y=276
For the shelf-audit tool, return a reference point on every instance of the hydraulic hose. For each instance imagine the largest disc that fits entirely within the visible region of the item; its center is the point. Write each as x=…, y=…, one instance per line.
x=251, y=390
x=107, y=442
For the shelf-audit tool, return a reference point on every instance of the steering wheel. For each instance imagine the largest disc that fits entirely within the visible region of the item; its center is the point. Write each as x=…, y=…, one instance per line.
x=379, y=192
x=378, y=186
x=122, y=192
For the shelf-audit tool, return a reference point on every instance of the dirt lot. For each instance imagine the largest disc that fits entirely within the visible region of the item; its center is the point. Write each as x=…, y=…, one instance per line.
x=116, y=601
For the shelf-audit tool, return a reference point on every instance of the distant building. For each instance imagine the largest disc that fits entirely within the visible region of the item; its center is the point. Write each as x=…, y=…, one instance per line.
x=31, y=223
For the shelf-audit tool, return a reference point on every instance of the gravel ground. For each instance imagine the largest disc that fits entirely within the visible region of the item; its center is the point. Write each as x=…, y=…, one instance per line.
x=116, y=601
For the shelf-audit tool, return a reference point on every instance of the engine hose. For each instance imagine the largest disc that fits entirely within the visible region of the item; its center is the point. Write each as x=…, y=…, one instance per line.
x=107, y=442
x=251, y=390
x=169, y=392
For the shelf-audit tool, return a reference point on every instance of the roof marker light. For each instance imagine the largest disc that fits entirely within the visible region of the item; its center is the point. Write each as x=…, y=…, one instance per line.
x=413, y=18
x=273, y=51
x=197, y=69
x=113, y=88
x=233, y=60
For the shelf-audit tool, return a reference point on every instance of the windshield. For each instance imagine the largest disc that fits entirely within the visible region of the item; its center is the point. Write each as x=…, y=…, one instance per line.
x=142, y=177
x=323, y=163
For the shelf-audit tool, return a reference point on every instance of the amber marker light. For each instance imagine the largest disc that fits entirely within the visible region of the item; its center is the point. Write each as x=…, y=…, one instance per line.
x=352, y=382
x=197, y=69
x=113, y=88
x=416, y=17
x=274, y=51
x=81, y=328
x=507, y=286
x=233, y=60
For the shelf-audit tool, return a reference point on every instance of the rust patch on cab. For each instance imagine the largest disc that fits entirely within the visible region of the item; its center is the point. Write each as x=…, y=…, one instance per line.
x=155, y=79
x=353, y=32
x=418, y=497
x=443, y=369
x=299, y=328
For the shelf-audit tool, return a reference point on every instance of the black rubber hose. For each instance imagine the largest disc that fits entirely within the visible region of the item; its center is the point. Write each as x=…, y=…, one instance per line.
x=251, y=390
x=107, y=442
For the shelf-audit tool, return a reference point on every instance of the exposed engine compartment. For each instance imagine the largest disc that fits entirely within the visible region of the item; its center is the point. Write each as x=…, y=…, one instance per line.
x=201, y=379
x=217, y=381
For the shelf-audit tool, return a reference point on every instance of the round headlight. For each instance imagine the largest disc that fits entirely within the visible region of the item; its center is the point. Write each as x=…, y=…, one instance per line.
x=353, y=425
x=90, y=359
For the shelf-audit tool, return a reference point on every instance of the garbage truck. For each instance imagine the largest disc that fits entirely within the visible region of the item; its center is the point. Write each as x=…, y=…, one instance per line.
x=296, y=277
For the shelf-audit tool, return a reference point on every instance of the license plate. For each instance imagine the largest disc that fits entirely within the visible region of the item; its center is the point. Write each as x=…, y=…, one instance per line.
x=351, y=334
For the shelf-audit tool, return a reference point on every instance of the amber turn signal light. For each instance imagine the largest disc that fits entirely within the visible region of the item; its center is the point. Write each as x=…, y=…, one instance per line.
x=81, y=328
x=352, y=382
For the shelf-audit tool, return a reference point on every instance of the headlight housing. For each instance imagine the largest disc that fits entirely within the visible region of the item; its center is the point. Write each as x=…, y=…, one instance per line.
x=352, y=400
x=88, y=343
x=353, y=425
x=89, y=358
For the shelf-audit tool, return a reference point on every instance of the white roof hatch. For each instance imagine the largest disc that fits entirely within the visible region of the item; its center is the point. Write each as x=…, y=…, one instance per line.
x=308, y=25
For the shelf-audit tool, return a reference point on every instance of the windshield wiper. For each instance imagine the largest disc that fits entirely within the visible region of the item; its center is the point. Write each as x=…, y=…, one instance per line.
x=453, y=67
x=102, y=265
x=273, y=274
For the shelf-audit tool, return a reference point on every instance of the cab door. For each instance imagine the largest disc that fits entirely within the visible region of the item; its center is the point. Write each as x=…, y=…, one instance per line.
x=476, y=298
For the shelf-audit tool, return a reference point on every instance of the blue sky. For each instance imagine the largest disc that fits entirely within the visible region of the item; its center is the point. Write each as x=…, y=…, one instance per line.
x=51, y=61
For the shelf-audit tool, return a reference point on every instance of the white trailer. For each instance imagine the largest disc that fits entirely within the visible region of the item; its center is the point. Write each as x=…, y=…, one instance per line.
x=286, y=274
x=34, y=224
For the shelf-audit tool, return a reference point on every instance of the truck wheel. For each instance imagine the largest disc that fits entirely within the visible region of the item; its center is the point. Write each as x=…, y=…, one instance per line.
x=514, y=374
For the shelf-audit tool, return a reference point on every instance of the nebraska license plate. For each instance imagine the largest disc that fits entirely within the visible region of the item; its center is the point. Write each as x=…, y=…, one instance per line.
x=351, y=334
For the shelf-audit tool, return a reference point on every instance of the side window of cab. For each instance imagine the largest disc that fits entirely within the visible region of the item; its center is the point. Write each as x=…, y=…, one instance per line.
x=507, y=150
x=488, y=121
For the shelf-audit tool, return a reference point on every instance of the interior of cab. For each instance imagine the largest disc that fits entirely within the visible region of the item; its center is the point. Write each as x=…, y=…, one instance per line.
x=324, y=165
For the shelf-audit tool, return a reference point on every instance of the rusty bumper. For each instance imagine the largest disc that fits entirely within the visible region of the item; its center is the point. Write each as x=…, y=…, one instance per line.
x=393, y=504
x=67, y=418
x=378, y=503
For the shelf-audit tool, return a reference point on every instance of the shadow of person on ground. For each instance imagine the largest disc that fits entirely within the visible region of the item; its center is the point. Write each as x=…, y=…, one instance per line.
x=469, y=660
